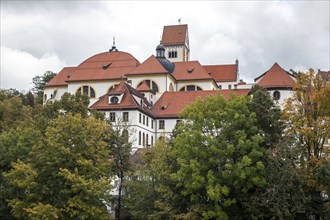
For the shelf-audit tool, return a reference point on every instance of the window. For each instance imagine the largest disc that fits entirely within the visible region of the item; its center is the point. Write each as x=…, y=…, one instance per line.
x=112, y=116
x=172, y=54
x=190, y=88
x=144, y=119
x=140, y=118
x=125, y=116
x=276, y=95
x=147, y=139
x=152, y=123
x=144, y=140
x=152, y=140
x=87, y=90
x=220, y=86
x=147, y=121
x=45, y=97
x=161, y=124
x=114, y=100
x=139, y=137
x=229, y=86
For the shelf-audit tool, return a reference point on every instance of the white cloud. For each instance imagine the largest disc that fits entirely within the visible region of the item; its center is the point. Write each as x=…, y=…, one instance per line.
x=19, y=67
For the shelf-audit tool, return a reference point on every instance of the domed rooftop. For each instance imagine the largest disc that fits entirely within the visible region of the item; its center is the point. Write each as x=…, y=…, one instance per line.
x=107, y=65
x=168, y=65
x=160, y=47
x=160, y=55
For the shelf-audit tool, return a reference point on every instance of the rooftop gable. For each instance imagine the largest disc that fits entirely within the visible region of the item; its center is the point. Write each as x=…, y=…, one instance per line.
x=275, y=77
x=149, y=66
x=190, y=70
x=127, y=102
x=174, y=34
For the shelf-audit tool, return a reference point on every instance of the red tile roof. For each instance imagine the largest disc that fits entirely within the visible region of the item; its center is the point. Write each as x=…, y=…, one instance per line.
x=103, y=66
x=174, y=34
x=222, y=73
x=61, y=77
x=275, y=77
x=149, y=66
x=170, y=104
x=190, y=70
x=127, y=101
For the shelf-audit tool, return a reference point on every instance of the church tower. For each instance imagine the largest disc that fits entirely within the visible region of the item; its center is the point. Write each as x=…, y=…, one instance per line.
x=176, y=42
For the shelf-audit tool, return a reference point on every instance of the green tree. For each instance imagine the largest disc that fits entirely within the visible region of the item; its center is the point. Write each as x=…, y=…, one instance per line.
x=220, y=158
x=39, y=83
x=120, y=147
x=268, y=116
x=66, y=174
x=308, y=119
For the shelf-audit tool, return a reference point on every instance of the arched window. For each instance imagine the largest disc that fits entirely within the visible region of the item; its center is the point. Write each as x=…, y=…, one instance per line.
x=152, y=85
x=45, y=97
x=147, y=140
x=152, y=140
x=86, y=90
x=191, y=88
x=171, y=89
x=139, y=137
x=276, y=95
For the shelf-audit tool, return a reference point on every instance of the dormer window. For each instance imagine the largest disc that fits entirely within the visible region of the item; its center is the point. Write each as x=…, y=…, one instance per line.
x=114, y=100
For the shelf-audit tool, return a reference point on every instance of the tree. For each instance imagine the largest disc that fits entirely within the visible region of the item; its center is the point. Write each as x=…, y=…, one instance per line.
x=66, y=174
x=268, y=116
x=120, y=147
x=308, y=119
x=220, y=158
x=39, y=83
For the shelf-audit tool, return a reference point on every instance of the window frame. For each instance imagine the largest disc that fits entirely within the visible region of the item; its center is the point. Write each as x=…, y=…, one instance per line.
x=125, y=116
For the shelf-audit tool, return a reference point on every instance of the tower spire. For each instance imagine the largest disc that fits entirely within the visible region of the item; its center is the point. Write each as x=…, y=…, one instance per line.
x=113, y=48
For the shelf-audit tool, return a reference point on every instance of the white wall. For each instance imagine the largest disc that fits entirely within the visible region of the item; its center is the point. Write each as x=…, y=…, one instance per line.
x=205, y=85
x=284, y=95
x=50, y=91
x=180, y=51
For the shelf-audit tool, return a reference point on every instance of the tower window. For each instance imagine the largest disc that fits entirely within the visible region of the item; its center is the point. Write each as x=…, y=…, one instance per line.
x=172, y=54
x=276, y=95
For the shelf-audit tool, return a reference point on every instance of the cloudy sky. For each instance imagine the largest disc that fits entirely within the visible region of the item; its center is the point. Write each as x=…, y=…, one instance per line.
x=39, y=36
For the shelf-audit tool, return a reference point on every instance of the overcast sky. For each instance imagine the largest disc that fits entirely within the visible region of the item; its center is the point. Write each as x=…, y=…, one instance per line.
x=39, y=36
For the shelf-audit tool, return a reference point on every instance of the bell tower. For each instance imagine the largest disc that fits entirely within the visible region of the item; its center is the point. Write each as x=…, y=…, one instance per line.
x=175, y=39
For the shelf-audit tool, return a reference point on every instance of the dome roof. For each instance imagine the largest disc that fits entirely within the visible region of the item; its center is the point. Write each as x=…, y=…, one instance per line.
x=168, y=65
x=160, y=47
x=107, y=65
